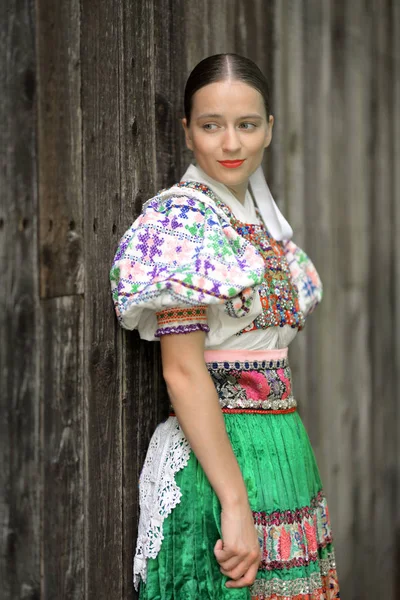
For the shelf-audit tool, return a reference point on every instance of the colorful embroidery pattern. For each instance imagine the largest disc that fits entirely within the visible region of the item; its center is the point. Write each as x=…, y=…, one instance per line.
x=278, y=293
x=182, y=320
x=260, y=384
x=193, y=252
x=299, y=538
x=181, y=248
x=292, y=538
x=305, y=277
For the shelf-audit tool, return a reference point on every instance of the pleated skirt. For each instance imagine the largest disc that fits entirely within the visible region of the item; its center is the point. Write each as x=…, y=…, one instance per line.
x=284, y=488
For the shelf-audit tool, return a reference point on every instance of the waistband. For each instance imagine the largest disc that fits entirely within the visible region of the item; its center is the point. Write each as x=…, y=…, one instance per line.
x=251, y=381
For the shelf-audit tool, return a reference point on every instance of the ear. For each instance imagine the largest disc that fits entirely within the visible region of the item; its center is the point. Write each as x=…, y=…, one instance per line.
x=268, y=136
x=188, y=138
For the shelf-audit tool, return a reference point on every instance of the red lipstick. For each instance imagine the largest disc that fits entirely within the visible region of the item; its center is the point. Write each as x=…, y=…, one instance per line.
x=231, y=164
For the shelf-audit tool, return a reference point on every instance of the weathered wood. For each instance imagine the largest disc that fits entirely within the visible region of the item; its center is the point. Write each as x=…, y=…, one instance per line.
x=19, y=312
x=287, y=177
x=63, y=470
x=395, y=51
x=60, y=148
x=146, y=146
x=352, y=220
x=382, y=302
x=100, y=55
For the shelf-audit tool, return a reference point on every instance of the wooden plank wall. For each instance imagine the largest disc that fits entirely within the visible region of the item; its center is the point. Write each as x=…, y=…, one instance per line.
x=19, y=312
x=89, y=117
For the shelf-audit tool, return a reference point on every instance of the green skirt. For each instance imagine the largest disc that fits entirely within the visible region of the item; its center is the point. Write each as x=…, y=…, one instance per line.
x=285, y=494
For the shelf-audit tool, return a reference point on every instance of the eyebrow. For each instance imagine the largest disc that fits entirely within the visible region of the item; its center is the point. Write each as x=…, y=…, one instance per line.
x=217, y=116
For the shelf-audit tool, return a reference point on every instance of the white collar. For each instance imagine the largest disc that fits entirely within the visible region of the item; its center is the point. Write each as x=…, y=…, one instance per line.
x=276, y=223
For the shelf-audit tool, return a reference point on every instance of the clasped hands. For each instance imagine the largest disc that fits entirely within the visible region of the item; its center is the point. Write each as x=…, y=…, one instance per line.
x=238, y=552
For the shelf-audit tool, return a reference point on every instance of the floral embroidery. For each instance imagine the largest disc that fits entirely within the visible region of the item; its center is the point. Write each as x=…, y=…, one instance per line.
x=298, y=538
x=305, y=277
x=253, y=384
x=194, y=252
x=219, y=266
x=292, y=538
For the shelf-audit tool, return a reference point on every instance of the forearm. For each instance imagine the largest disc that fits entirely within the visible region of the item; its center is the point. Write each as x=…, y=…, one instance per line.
x=195, y=402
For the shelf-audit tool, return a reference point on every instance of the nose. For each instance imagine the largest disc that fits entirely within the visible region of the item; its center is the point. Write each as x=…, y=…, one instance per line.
x=231, y=140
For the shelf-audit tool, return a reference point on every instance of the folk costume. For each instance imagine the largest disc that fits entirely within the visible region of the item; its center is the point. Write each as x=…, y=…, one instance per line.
x=198, y=259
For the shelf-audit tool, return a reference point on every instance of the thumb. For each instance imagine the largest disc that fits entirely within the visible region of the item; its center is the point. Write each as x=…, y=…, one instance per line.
x=218, y=546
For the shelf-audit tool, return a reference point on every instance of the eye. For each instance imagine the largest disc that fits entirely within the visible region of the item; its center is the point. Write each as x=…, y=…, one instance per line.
x=210, y=126
x=247, y=126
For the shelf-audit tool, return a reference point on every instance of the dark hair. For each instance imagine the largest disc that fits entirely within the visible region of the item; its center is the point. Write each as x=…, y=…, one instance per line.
x=225, y=66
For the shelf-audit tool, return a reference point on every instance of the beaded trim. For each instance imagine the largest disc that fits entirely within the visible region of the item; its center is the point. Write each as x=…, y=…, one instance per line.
x=254, y=411
x=248, y=365
x=247, y=411
x=288, y=405
x=279, y=517
x=182, y=320
x=302, y=586
x=179, y=329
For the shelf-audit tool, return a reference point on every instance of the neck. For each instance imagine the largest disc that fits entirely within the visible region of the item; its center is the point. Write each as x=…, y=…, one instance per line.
x=239, y=192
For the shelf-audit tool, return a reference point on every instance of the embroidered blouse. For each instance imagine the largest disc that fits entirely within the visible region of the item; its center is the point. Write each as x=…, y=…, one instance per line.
x=196, y=258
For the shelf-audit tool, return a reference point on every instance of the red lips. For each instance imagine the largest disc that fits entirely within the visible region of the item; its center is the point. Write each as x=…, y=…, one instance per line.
x=231, y=164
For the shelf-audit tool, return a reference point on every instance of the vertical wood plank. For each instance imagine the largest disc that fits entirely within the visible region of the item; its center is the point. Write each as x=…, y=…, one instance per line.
x=19, y=312
x=288, y=175
x=62, y=449
x=59, y=147
x=61, y=283
x=168, y=92
x=147, y=143
x=100, y=52
x=321, y=370
x=354, y=224
x=395, y=49
x=382, y=302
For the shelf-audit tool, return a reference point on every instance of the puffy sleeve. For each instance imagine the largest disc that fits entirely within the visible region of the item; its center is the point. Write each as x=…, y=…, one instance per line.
x=305, y=277
x=178, y=258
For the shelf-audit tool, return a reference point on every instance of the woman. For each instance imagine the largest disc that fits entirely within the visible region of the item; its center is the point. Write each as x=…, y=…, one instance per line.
x=231, y=499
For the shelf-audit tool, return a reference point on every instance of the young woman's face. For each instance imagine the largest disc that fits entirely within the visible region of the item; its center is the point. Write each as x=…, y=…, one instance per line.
x=228, y=132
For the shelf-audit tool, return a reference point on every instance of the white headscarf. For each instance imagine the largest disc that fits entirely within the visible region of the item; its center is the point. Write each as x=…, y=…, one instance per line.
x=277, y=225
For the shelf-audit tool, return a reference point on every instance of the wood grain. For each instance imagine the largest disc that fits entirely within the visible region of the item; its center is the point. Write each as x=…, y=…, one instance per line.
x=100, y=55
x=63, y=468
x=59, y=147
x=19, y=309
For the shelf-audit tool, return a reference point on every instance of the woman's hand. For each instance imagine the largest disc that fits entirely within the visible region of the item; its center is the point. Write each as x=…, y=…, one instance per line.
x=238, y=553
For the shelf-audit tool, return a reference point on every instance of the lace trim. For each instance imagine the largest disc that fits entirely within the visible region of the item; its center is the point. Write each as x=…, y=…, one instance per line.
x=168, y=453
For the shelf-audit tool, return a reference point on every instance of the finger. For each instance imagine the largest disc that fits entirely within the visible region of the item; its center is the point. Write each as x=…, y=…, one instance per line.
x=231, y=563
x=239, y=571
x=246, y=580
x=223, y=555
